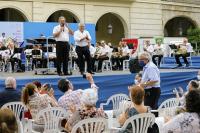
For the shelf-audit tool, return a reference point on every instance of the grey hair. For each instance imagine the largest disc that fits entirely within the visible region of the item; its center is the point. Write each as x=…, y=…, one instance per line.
x=81, y=24
x=61, y=17
x=10, y=82
x=146, y=55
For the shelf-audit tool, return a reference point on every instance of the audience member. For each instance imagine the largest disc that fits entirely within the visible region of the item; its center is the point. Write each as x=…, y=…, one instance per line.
x=137, y=94
x=8, y=122
x=9, y=94
x=89, y=98
x=71, y=97
x=192, y=85
x=138, y=78
x=188, y=122
x=36, y=102
x=38, y=85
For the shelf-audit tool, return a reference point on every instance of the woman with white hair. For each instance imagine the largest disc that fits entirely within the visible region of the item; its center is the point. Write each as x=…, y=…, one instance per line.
x=89, y=98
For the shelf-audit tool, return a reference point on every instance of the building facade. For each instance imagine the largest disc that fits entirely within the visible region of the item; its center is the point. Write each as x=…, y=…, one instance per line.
x=125, y=18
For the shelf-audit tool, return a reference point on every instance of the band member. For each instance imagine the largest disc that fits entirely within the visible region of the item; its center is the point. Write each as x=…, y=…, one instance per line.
x=36, y=57
x=14, y=57
x=61, y=33
x=92, y=54
x=183, y=50
x=96, y=54
x=82, y=38
x=158, y=53
x=148, y=47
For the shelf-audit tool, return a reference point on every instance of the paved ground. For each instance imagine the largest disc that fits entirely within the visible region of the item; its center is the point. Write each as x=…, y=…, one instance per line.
x=25, y=75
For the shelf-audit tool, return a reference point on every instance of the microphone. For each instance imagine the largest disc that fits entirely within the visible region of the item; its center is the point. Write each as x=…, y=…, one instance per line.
x=62, y=25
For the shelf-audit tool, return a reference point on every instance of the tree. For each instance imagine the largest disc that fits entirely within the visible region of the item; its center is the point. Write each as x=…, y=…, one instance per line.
x=193, y=36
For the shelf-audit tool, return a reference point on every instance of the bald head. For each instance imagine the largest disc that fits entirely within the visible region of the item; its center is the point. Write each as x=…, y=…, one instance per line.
x=10, y=82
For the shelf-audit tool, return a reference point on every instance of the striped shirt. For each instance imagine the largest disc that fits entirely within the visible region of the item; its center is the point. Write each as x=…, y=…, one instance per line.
x=151, y=73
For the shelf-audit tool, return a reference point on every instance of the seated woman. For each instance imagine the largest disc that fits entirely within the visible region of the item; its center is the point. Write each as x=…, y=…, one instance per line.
x=89, y=110
x=192, y=85
x=36, y=102
x=137, y=97
x=189, y=121
x=8, y=122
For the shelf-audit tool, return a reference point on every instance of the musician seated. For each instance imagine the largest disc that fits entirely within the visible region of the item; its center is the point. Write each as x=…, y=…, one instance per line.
x=96, y=54
x=15, y=56
x=148, y=47
x=158, y=53
x=92, y=54
x=36, y=57
x=122, y=54
x=183, y=50
x=105, y=49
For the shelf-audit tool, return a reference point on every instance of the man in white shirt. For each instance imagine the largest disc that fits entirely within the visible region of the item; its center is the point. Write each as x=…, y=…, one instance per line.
x=3, y=39
x=82, y=39
x=149, y=47
x=158, y=53
x=125, y=54
x=103, y=55
x=61, y=33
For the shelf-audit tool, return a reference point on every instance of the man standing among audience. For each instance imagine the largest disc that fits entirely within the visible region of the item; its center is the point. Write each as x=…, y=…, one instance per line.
x=82, y=39
x=150, y=80
x=10, y=94
x=61, y=33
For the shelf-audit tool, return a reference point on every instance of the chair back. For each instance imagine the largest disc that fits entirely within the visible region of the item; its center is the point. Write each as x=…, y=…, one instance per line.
x=52, y=117
x=171, y=102
x=17, y=107
x=115, y=100
x=91, y=125
x=140, y=123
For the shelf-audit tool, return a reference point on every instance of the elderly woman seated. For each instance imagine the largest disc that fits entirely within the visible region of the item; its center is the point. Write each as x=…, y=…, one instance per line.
x=137, y=97
x=89, y=98
x=189, y=121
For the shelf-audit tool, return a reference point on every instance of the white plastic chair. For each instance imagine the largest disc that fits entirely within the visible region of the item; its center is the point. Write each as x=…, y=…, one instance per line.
x=91, y=125
x=168, y=107
x=116, y=100
x=125, y=65
x=52, y=118
x=108, y=63
x=18, y=109
x=140, y=123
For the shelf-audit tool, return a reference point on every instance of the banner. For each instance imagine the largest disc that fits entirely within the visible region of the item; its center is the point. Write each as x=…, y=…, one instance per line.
x=13, y=30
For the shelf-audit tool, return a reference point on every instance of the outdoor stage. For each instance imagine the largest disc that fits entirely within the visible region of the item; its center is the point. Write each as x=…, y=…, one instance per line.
x=109, y=82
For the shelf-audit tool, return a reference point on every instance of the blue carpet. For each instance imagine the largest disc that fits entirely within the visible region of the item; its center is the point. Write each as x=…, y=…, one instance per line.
x=114, y=84
x=170, y=62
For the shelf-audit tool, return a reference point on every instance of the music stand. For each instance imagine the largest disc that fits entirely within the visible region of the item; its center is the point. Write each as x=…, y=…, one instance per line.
x=18, y=50
x=44, y=49
x=173, y=46
x=36, y=54
x=29, y=47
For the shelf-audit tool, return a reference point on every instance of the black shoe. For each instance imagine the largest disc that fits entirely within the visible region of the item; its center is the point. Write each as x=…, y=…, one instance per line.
x=91, y=72
x=99, y=71
x=60, y=74
x=179, y=65
x=81, y=72
x=187, y=65
x=66, y=74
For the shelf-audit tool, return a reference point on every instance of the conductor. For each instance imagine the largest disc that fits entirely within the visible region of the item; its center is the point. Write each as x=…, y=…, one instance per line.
x=61, y=33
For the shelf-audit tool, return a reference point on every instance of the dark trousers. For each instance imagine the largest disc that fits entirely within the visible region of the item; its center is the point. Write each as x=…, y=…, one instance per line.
x=13, y=60
x=152, y=96
x=159, y=59
x=62, y=53
x=101, y=59
x=83, y=52
x=184, y=56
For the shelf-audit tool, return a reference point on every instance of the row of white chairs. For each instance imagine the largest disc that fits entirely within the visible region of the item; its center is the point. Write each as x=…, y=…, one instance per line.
x=52, y=116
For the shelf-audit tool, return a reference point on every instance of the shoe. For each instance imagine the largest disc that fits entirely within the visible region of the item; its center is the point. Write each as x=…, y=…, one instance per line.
x=81, y=72
x=179, y=65
x=60, y=74
x=66, y=74
x=91, y=72
x=99, y=71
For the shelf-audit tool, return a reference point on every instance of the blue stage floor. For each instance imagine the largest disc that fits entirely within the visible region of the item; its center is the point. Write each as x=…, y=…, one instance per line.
x=112, y=83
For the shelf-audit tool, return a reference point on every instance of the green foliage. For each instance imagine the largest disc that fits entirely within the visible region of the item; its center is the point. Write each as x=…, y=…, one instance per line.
x=193, y=35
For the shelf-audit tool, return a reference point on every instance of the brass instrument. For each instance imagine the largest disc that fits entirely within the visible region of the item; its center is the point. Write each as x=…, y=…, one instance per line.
x=181, y=49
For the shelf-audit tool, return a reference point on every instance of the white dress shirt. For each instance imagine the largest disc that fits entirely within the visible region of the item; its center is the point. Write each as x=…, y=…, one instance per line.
x=78, y=35
x=150, y=49
x=158, y=50
x=92, y=50
x=105, y=50
x=125, y=51
x=64, y=35
x=189, y=48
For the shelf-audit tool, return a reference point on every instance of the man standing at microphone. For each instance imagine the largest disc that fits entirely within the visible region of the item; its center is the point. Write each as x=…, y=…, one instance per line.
x=82, y=39
x=61, y=33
